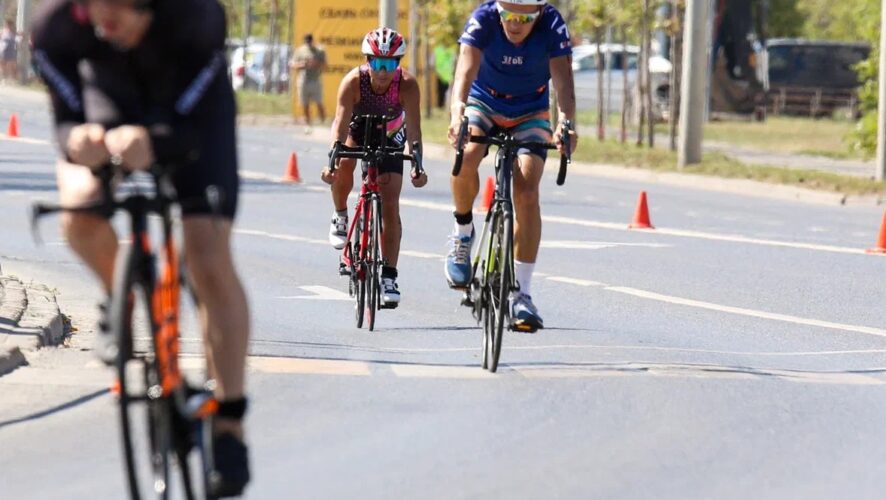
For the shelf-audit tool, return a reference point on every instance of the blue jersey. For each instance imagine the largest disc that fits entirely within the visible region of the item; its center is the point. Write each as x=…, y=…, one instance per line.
x=513, y=80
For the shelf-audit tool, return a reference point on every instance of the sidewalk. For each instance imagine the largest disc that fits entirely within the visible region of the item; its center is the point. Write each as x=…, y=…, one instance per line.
x=29, y=319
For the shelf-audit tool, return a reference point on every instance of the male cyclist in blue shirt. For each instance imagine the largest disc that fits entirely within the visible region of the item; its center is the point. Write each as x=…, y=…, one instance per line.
x=509, y=52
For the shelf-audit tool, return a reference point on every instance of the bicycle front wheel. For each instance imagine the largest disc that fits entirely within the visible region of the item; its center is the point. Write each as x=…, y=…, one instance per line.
x=499, y=286
x=143, y=409
x=373, y=279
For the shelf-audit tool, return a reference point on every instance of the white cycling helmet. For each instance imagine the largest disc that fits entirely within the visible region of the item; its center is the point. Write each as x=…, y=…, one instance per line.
x=384, y=42
x=526, y=2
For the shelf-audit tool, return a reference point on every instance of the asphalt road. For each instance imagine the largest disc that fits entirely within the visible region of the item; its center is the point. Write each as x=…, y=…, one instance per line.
x=736, y=351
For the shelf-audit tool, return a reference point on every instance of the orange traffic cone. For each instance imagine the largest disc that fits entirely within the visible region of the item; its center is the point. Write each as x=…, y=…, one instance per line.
x=292, y=170
x=641, y=216
x=488, y=194
x=881, y=241
x=12, y=129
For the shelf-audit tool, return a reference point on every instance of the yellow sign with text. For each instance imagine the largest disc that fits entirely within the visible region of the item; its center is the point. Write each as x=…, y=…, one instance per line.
x=338, y=27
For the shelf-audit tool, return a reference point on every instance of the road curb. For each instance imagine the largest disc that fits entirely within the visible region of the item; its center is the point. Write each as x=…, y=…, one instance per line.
x=29, y=320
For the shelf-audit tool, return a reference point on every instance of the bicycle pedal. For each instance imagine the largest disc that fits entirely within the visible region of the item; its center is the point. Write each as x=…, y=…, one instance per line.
x=466, y=301
x=523, y=328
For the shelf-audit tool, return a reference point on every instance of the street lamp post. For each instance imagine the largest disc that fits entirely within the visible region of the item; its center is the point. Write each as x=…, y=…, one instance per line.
x=387, y=13
x=881, y=115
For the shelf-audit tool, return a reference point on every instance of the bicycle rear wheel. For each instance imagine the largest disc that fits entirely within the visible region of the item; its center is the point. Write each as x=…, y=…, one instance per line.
x=140, y=397
x=499, y=286
x=373, y=279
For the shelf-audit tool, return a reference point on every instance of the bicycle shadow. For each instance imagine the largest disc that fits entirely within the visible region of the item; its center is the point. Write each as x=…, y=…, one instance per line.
x=56, y=409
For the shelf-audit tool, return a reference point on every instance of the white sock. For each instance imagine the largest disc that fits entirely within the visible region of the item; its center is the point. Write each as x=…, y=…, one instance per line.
x=342, y=214
x=464, y=230
x=524, y=270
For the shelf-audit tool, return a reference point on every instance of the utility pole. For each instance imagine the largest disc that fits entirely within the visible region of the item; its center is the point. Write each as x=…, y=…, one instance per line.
x=695, y=66
x=881, y=118
x=23, y=27
x=387, y=13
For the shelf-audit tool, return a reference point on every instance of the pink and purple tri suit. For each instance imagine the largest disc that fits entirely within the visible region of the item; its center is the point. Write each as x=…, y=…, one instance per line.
x=387, y=104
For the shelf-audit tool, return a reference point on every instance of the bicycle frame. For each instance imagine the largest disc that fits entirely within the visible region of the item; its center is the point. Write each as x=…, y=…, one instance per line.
x=362, y=260
x=166, y=393
x=501, y=206
x=369, y=192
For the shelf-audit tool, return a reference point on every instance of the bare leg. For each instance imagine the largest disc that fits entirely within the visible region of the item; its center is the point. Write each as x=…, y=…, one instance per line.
x=527, y=227
x=467, y=184
x=391, y=185
x=223, y=308
x=91, y=237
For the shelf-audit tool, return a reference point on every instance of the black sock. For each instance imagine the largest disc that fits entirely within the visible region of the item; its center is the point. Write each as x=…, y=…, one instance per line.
x=464, y=219
x=389, y=272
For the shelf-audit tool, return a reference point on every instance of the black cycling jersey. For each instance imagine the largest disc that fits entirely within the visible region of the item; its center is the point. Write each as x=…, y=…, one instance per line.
x=174, y=83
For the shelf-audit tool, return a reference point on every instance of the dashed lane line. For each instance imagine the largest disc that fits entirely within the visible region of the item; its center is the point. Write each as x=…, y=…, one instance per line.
x=644, y=294
x=682, y=233
x=741, y=311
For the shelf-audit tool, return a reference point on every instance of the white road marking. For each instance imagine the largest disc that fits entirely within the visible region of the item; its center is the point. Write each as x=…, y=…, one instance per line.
x=320, y=293
x=447, y=207
x=705, y=236
x=596, y=245
x=575, y=281
x=285, y=237
x=747, y=312
x=642, y=294
x=422, y=255
x=25, y=140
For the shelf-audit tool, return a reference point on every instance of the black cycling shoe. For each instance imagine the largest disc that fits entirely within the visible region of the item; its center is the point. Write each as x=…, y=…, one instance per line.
x=231, y=474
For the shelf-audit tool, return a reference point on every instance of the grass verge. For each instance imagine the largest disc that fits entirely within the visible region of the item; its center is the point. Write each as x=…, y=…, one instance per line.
x=254, y=103
x=714, y=164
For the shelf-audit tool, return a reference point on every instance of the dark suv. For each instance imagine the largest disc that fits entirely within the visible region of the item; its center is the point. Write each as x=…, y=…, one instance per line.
x=812, y=77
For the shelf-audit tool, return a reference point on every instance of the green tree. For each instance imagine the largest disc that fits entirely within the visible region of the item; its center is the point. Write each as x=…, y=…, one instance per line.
x=785, y=19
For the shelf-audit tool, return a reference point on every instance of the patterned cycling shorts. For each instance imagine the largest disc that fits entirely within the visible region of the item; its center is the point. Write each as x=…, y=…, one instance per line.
x=534, y=126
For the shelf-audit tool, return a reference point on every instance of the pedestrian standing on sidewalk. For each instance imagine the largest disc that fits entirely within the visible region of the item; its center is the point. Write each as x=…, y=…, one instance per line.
x=310, y=61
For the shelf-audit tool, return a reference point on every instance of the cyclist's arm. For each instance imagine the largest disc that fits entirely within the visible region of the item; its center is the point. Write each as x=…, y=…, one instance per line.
x=410, y=98
x=56, y=55
x=465, y=73
x=564, y=84
x=348, y=97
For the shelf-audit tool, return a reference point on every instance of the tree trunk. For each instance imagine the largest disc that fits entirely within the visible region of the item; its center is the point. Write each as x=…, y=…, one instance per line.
x=601, y=114
x=676, y=71
x=647, y=49
x=625, y=88
x=641, y=86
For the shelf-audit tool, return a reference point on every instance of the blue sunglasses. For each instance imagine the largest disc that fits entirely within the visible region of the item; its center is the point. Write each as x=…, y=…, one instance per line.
x=384, y=63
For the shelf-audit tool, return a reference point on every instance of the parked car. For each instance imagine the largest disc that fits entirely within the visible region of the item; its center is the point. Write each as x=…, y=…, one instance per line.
x=584, y=64
x=248, y=67
x=813, y=77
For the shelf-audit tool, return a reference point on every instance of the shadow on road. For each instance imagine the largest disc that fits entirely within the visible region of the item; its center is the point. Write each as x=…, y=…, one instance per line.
x=55, y=409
